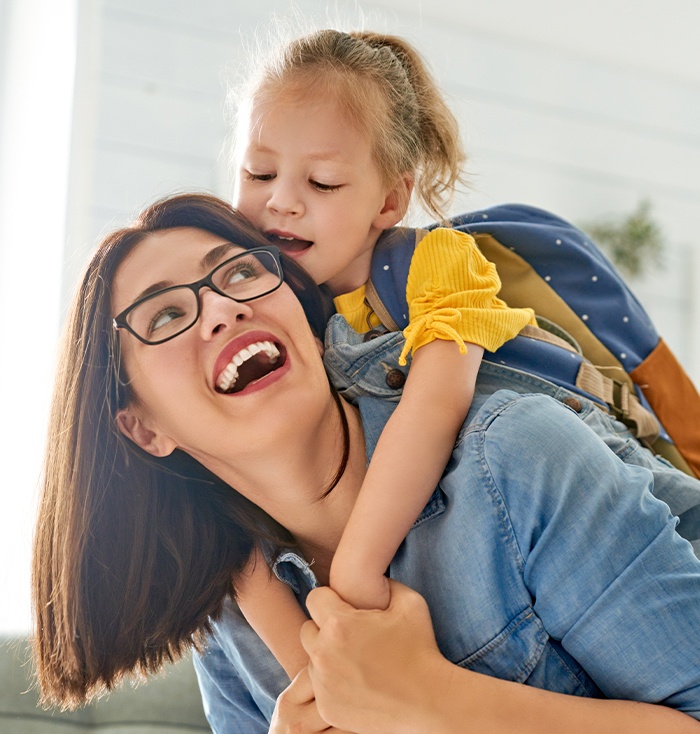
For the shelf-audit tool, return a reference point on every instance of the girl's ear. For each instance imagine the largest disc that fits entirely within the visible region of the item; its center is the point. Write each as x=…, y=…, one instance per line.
x=135, y=429
x=395, y=203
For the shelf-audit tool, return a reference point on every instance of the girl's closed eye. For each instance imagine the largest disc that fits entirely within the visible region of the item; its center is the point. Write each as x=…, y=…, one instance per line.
x=250, y=176
x=323, y=186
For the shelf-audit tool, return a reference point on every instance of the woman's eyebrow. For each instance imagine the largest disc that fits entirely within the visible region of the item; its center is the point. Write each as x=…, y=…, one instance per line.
x=210, y=260
x=159, y=286
x=213, y=257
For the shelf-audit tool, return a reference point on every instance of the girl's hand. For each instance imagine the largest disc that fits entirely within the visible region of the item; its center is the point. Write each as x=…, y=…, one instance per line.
x=357, y=584
x=374, y=671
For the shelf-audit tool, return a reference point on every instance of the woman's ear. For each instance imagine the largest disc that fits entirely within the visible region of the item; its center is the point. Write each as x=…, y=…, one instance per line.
x=395, y=203
x=135, y=429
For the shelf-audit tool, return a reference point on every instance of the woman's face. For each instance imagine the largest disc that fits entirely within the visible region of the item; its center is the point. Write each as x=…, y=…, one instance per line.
x=178, y=384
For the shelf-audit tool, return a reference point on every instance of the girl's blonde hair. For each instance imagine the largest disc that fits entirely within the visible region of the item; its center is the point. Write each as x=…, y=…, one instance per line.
x=385, y=88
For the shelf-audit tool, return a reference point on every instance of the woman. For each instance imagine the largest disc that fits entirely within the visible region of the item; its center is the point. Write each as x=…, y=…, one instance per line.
x=189, y=368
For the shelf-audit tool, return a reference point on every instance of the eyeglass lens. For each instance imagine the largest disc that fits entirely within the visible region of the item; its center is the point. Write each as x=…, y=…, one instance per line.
x=167, y=313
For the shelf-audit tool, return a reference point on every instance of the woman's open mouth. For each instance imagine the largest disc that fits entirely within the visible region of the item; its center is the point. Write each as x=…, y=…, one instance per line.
x=249, y=365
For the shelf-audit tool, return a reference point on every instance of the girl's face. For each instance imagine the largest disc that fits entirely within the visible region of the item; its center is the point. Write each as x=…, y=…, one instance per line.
x=306, y=176
x=181, y=385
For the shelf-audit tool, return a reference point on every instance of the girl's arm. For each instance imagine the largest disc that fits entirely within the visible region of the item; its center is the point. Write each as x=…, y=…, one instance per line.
x=272, y=610
x=409, y=460
x=389, y=660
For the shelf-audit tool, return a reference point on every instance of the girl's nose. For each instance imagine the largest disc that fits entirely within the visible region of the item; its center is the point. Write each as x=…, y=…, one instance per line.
x=218, y=313
x=285, y=199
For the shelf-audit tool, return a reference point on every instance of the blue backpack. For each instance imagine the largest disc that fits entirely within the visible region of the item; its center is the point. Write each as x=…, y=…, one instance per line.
x=594, y=337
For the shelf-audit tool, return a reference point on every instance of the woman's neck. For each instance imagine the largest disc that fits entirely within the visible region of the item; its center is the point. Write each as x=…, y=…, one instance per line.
x=290, y=481
x=319, y=531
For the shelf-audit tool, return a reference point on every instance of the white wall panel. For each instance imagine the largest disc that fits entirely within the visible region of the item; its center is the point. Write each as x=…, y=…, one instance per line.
x=119, y=184
x=147, y=51
x=148, y=118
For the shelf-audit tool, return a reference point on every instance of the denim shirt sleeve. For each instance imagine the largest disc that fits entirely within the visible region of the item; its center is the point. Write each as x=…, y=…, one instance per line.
x=228, y=705
x=610, y=577
x=239, y=678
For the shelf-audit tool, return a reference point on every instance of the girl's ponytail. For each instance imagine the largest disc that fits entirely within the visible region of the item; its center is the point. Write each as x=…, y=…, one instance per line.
x=441, y=155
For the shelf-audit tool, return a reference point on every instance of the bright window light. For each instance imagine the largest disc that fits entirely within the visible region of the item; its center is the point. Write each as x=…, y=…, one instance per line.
x=38, y=47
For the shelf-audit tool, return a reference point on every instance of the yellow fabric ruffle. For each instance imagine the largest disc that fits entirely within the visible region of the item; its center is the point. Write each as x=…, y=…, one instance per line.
x=439, y=324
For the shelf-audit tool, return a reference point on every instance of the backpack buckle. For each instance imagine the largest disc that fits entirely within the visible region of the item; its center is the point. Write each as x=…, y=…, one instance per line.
x=619, y=399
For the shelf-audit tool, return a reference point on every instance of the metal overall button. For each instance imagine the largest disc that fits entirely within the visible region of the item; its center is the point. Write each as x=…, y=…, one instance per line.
x=573, y=403
x=395, y=379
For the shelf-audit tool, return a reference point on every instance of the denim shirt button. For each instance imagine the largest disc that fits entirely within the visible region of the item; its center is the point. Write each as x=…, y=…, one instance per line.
x=395, y=379
x=573, y=403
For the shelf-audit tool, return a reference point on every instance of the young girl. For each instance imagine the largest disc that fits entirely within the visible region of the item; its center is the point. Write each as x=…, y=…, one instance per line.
x=334, y=135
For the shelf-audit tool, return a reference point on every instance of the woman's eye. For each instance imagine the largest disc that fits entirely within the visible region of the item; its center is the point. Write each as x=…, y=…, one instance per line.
x=163, y=318
x=324, y=187
x=239, y=273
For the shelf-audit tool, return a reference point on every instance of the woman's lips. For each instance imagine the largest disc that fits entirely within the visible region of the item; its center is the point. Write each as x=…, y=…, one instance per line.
x=246, y=360
x=252, y=362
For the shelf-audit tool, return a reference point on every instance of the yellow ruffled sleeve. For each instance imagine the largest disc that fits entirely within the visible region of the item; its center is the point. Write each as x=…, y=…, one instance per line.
x=452, y=295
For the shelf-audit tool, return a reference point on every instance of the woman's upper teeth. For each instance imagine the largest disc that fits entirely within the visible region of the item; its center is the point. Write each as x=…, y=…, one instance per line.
x=228, y=376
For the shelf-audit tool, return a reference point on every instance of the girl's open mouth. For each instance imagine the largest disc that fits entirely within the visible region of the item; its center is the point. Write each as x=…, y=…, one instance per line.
x=289, y=245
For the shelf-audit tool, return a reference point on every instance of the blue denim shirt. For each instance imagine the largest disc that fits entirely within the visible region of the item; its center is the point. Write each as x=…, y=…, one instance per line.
x=545, y=553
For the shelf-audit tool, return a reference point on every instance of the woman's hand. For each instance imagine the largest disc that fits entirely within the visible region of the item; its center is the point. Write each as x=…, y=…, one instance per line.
x=374, y=671
x=295, y=711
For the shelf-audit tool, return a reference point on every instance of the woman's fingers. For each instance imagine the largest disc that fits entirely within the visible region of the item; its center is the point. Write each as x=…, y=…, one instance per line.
x=386, y=660
x=323, y=602
x=295, y=711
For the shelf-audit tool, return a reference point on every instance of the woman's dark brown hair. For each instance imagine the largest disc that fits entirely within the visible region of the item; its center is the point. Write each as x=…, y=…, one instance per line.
x=132, y=555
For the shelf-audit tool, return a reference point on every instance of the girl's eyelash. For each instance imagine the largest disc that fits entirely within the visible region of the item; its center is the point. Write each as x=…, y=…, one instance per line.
x=324, y=187
x=259, y=176
x=269, y=176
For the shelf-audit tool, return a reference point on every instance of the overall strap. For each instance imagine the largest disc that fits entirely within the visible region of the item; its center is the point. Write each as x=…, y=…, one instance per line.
x=375, y=303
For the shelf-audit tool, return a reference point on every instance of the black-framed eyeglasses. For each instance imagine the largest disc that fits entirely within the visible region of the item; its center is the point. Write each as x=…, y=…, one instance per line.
x=165, y=314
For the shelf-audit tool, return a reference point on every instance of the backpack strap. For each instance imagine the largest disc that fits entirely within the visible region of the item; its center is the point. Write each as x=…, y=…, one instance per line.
x=391, y=261
x=624, y=404
x=616, y=394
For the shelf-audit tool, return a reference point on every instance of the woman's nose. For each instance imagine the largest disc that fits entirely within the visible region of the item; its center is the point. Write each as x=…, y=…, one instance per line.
x=285, y=199
x=218, y=313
